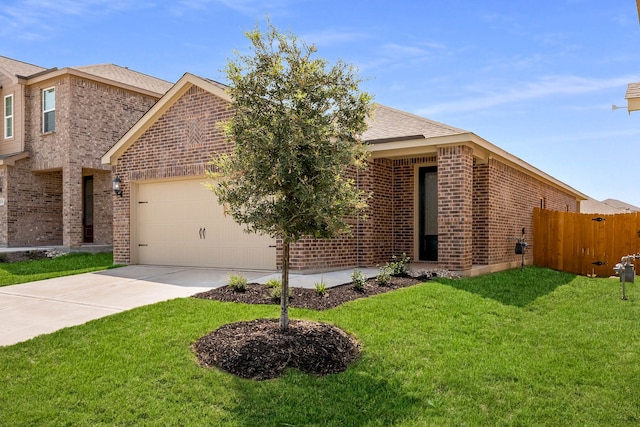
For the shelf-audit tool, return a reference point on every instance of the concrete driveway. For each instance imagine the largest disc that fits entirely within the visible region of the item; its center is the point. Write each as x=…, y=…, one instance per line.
x=42, y=307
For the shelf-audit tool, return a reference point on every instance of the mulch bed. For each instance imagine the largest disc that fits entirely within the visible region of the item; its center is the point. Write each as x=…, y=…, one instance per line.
x=258, y=350
x=309, y=298
x=33, y=254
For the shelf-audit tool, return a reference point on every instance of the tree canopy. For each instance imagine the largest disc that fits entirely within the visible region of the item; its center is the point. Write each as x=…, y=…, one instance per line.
x=295, y=129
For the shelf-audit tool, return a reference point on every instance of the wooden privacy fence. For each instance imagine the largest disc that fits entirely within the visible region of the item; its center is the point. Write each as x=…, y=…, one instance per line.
x=585, y=244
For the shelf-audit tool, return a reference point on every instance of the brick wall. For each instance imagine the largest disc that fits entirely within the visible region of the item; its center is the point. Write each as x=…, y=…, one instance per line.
x=34, y=206
x=102, y=206
x=512, y=196
x=345, y=251
x=377, y=239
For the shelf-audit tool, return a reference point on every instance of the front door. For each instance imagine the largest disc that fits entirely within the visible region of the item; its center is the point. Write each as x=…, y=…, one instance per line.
x=87, y=209
x=428, y=213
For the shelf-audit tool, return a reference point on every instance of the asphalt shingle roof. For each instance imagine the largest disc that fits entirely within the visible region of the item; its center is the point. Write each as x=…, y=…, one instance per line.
x=19, y=68
x=126, y=76
x=112, y=72
x=388, y=123
x=633, y=91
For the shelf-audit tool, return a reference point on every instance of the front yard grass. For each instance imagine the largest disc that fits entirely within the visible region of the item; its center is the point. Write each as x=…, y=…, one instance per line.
x=64, y=265
x=532, y=347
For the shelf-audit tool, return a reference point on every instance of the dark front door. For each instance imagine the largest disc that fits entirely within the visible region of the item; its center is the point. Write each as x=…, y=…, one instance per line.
x=87, y=209
x=428, y=213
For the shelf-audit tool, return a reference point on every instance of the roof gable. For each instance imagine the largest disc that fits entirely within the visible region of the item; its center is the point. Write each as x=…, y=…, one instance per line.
x=186, y=82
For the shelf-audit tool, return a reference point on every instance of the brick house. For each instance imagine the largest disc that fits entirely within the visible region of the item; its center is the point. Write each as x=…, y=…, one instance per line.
x=442, y=195
x=57, y=123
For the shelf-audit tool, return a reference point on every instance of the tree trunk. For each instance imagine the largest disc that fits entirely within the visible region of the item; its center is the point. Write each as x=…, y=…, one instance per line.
x=284, y=298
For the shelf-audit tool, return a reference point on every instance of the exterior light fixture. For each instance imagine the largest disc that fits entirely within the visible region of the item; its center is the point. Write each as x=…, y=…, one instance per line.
x=116, y=186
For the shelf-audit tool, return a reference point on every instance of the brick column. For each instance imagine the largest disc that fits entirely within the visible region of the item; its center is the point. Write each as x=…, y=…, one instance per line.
x=455, y=207
x=72, y=206
x=122, y=219
x=481, y=214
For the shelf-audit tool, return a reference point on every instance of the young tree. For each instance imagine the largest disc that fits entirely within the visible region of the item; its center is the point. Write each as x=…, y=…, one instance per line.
x=295, y=129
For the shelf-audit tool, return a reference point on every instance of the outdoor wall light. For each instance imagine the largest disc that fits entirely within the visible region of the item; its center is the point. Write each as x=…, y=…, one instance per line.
x=116, y=186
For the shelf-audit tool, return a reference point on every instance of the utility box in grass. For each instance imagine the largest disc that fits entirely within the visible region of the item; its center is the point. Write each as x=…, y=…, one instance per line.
x=626, y=272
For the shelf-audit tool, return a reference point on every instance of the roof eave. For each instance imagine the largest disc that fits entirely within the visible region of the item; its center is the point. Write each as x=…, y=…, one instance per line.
x=11, y=159
x=483, y=150
x=54, y=73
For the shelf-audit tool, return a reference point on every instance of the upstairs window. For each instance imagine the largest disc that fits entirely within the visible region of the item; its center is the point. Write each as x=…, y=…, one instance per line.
x=49, y=110
x=8, y=116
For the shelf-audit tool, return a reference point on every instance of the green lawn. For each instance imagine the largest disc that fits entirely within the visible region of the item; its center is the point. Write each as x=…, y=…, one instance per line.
x=533, y=347
x=65, y=265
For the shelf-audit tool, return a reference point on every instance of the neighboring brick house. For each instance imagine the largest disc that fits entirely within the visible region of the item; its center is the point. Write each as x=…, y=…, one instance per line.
x=57, y=123
x=441, y=195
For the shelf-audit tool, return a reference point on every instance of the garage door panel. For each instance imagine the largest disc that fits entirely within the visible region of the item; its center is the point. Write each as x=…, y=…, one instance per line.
x=181, y=223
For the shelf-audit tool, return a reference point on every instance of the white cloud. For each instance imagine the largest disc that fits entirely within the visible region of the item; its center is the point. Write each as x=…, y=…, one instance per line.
x=541, y=88
x=246, y=7
x=331, y=37
x=394, y=55
x=34, y=19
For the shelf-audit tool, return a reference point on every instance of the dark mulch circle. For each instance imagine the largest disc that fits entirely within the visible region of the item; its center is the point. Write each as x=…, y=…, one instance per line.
x=258, y=350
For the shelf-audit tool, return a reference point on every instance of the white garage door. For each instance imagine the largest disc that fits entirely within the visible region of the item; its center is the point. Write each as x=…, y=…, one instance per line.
x=181, y=223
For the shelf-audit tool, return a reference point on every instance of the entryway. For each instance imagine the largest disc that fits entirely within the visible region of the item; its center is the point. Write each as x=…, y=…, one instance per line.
x=87, y=209
x=428, y=213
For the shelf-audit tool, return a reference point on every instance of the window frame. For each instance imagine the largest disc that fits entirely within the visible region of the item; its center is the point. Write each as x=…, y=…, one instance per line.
x=51, y=110
x=8, y=117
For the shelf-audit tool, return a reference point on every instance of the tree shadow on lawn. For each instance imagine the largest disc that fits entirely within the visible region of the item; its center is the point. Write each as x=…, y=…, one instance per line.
x=352, y=398
x=517, y=287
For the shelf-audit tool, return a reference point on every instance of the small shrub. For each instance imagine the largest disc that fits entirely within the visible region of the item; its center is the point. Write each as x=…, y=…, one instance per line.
x=273, y=283
x=400, y=266
x=276, y=293
x=321, y=287
x=384, y=275
x=358, y=279
x=237, y=282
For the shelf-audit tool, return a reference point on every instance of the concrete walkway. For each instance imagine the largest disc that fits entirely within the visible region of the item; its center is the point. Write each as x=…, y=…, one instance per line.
x=42, y=307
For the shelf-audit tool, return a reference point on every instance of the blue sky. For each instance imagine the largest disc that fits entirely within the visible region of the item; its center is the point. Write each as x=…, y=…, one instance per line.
x=536, y=78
